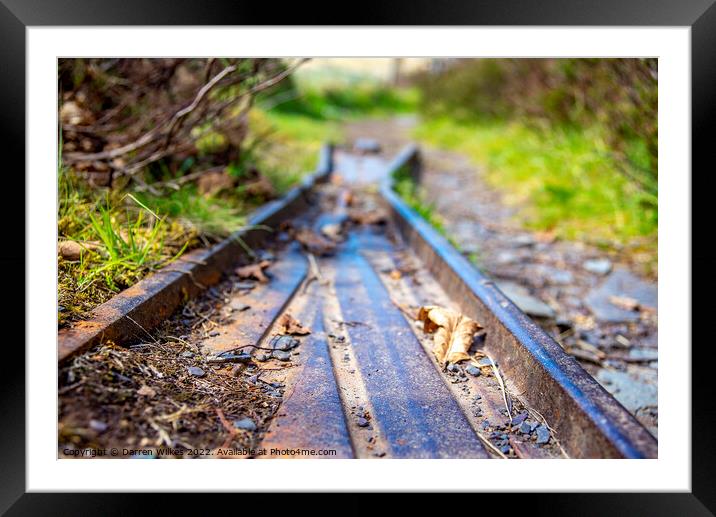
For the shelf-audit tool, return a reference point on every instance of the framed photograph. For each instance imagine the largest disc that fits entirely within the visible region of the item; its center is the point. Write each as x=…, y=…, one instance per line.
x=425, y=244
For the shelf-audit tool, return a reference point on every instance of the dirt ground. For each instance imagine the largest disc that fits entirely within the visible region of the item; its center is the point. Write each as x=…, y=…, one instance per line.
x=161, y=395
x=594, y=302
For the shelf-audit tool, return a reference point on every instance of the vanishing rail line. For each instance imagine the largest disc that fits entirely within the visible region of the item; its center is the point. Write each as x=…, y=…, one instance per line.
x=364, y=383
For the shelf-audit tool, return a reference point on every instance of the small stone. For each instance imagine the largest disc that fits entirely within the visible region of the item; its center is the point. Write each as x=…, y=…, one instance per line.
x=230, y=357
x=214, y=333
x=281, y=355
x=505, y=449
x=622, y=284
x=485, y=361
x=527, y=303
x=598, y=266
x=542, y=435
x=284, y=343
x=517, y=420
x=97, y=425
x=453, y=368
x=473, y=370
x=196, y=371
x=525, y=428
x=245, y=424
x=244, y=285
x=262, y=357
x=485, y=424
x=362, y=422
x=187, y=354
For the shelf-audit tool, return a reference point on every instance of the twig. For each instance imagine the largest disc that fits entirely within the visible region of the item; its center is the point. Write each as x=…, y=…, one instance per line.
x=498, y=376
x=180, y=115
x=227, y=425
x=145, y=330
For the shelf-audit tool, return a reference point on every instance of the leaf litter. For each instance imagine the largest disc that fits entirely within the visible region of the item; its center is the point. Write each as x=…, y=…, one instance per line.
x=288, y=325
x=255, y=271
x=453, y=331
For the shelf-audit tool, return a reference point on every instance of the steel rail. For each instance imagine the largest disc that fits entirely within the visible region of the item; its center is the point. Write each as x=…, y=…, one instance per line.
x=587, y=420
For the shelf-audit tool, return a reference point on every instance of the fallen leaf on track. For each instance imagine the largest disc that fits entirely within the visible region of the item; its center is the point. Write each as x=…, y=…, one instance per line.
x=453, y=332
x=367, y=217
x=315, y=243
x=255, y=271
x=333, y=231
x=287, y=324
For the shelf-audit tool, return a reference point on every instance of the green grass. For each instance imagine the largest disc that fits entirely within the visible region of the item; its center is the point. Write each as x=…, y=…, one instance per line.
x=123, y=238
x=129, y=233
x=366, y=99
x=208, y=217
x=562, y=179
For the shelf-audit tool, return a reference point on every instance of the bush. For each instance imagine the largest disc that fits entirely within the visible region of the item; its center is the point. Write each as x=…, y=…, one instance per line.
x=618, y=96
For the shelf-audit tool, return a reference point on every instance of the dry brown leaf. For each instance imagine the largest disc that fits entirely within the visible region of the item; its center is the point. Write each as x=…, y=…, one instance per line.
x=146, y=391
x=453, y=332
x=315, y=243
x=367, y=217
x=287, y=324
x=333, y=231
x=261, y=187
x=255, y=271
x=213, y=182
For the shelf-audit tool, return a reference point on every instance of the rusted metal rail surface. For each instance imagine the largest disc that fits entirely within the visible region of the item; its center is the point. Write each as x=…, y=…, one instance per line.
x=365, y=383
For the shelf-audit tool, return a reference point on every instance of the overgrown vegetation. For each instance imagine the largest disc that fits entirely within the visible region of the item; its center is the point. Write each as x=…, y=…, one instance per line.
x=573, y=142
x=108, y=241
x=158, y=156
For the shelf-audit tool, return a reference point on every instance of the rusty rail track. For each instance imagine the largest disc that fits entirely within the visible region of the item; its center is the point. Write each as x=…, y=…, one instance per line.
x=364, y=382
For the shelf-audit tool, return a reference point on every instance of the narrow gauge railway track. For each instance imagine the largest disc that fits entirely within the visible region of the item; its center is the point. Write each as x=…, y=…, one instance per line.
x=364, y=383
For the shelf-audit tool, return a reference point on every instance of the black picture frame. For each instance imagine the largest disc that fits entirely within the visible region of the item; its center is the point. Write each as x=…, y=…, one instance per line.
x=699, y=15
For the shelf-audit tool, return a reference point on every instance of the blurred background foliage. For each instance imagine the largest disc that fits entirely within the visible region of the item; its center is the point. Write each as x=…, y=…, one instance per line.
x=572, y=143
x=618, y=95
